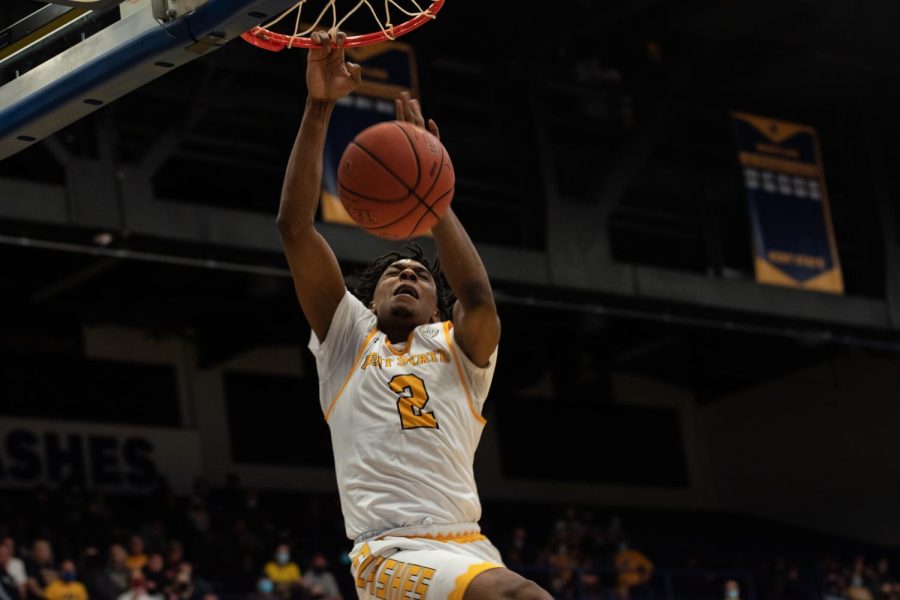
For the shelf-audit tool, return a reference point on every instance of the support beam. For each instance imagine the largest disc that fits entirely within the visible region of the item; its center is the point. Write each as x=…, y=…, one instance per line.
x=145, y=215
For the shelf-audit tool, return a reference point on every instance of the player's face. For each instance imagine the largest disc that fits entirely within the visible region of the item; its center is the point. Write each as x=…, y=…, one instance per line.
x=406, y=291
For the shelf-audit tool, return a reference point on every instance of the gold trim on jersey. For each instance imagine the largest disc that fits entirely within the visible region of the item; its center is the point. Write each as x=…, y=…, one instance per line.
x=406, y=350
x=362, y=349
x=459, y=371
x=457, y=538
x=463, y=581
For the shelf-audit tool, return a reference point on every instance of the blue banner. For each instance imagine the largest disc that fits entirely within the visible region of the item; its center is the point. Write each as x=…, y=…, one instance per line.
x=784, y=182
x=387, y=70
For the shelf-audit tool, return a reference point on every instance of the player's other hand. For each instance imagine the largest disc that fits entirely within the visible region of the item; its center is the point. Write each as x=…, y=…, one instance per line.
x=328, y=76
x=409, y=110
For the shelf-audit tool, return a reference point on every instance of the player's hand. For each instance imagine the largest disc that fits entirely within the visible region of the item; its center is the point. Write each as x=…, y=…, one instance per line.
x=409, y=110
x=328, y=76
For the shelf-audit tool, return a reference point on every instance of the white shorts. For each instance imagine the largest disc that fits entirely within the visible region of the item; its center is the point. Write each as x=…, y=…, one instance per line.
x=420, y=568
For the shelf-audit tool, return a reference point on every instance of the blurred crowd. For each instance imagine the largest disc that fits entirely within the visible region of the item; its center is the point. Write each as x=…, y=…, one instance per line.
x=71, y=544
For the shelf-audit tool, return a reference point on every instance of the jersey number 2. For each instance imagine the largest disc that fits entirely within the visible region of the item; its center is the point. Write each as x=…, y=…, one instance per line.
x=411, y=401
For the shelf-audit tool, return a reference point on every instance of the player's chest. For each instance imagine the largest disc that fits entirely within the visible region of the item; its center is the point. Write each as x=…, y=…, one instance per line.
x=414, y=389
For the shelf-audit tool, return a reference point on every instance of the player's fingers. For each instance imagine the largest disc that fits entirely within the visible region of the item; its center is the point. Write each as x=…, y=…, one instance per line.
x=416, y=113
x=398, y=105
x=355, y=72
x=339, y=39
x=432, y=126
x=320, y=38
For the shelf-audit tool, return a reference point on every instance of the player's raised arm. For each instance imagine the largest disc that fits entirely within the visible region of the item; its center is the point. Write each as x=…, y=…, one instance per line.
x=475, y=320
x=315, y=270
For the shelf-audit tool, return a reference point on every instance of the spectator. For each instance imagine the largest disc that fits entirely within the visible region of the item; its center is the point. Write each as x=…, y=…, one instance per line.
x=174, y=558
x=858, y=590
x=265, y=590
x=881, y=575
x=793, y=586
x=67, y=586
x=9, y=590
x=137, y=588
x=96, y=578
x=197, y=516
x=15, y=567
x=519, y=551
x=834, y=587
x=319, y=582
x=116, y=569
x=186, y=587
x=633, y=569
x=889, y=591
x=155, y=574
x=41, y=569
x=732, y=591
x=137, y=558
x=284, y=573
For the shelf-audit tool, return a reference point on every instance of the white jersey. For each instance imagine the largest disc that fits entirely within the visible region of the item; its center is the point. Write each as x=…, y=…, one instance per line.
x=405, y=422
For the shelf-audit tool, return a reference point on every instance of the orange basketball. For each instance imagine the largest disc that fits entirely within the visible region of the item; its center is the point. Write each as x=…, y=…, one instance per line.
x=396, y=180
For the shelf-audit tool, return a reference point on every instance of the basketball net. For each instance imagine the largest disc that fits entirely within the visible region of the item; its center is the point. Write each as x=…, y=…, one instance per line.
x=411, y=13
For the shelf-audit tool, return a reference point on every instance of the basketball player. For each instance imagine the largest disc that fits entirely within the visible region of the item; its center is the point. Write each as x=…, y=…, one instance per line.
x=401, y=387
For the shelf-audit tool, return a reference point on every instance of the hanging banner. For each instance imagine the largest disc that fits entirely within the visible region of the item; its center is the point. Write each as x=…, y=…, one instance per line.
x=784, y=182
x=387, y=69
x=114, y=458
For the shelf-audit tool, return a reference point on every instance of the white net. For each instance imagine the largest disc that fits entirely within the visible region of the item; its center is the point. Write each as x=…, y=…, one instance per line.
x=387, y=14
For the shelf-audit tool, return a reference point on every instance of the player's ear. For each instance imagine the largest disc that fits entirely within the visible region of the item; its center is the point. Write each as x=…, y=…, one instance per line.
x=436, y=316
x=372, y=307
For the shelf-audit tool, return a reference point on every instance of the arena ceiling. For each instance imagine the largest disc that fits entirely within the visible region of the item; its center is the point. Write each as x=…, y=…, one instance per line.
x=630, y=96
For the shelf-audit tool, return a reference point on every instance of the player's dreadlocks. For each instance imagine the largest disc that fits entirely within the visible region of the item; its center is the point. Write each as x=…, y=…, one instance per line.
x=362, y=284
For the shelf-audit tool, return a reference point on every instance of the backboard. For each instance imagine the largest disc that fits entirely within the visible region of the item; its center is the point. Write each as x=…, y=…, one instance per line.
x=66, y=62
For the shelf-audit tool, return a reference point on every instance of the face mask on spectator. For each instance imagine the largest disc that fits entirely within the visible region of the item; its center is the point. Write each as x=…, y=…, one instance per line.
x=138, y=584
x=266, y=586
x=733, y=594
x=68, y=576
x=282, y=558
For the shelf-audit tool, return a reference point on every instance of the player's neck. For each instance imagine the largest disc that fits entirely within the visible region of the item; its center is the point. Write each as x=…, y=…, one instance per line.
x=397, y=333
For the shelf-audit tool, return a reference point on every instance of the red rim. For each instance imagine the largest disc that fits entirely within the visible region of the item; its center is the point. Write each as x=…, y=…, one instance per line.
x=269, y=40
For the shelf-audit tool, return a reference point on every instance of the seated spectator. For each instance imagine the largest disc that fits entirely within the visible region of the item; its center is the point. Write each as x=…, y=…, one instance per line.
x=67, y=586
x=137, y=558
x=889, y=591
x=155, y=574
x=40, y=569
x=834, y=587
x=96, y=580
x=793, y=586
x=9, y=590
x=116, y=569
x=284, y=573
x=881, y=575
x=519, y=551
x=633, y=569
x=265, y=590
x=186, y=587
x=174, y=558
x=137, y=588
x=732, y=590
x=15, y=567
x=858, y=590
x=319, y=582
